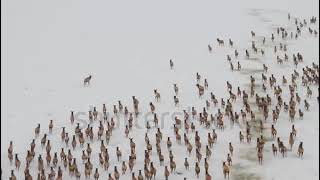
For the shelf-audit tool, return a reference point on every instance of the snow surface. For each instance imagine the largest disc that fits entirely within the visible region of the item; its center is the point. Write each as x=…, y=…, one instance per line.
x=48, y=47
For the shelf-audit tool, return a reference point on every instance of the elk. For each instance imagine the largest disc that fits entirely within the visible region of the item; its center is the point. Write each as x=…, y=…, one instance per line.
x=230, y=43
x=273, y=131
x=50, y=126
x=274, y=150
x=241, y=137
x=253, y=34
x=197, y=169
x=210, y=48
x=300, y=150
x=260, y=156
x=306, y=105
x=229, y=159
x=86, y=80
x=226, y=170
x=230, y=148
x=247, y=54
x=156, y=95
x=166, y=172
x=171, y=64
x=291, y=140
x=186, y=163
x=37, y=130
x=279, y=60
x=96, y=174
x=309, y=92
x=176, y=89
x=10, y=152
x=200, y=89
x=17, y=162
x=220, y=42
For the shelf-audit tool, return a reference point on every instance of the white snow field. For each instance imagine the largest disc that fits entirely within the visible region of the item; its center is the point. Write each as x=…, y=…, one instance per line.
x=49, y=47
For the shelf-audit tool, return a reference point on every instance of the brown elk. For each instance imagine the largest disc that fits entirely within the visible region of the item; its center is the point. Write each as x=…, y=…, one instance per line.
x=230, y=148
x=156, y=95
x=200, y=89
x=226, y=170
x=300, y=150
x=50, y=126
x=166, y=172
x=17, y=162
x=10, y=152
x=96, y=174
x=229, y=160
x=197, y=169
x=273, y=131
x=291, y=141
x=260, y=156
x=241, y=137
x=274, y=150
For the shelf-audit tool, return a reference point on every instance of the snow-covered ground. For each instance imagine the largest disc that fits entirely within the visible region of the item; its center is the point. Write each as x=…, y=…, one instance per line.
x=48, y=47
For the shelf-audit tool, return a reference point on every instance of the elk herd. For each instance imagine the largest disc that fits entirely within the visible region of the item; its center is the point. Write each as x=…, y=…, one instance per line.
x=266, y=102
